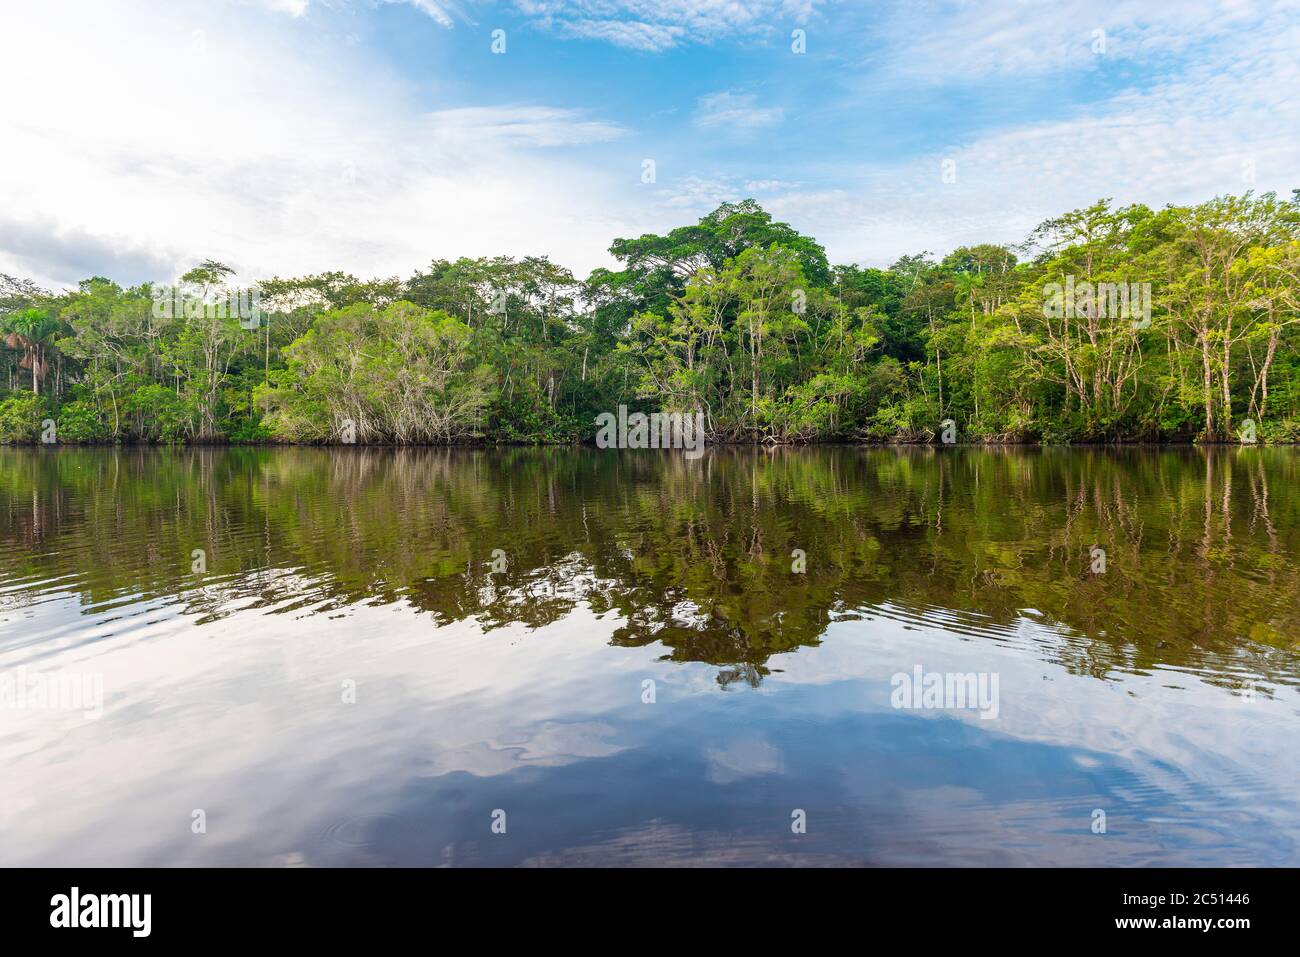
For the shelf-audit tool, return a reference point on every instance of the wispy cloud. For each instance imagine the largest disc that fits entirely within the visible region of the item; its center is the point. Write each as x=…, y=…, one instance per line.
x=317, y=152
x=693, y=195
x=523, y=125
x=297, y=162
x=735, y=111
x=655, y=25
x=956, y=39
x=444, y=12
x=294, y=8
x=629, y=34
x=645, y=25
x=1225, y=124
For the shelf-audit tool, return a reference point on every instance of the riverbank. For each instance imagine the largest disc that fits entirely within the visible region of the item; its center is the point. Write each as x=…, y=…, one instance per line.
x=767, y=445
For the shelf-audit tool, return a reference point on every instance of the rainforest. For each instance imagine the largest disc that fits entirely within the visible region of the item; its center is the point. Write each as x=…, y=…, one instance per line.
x=738, y=317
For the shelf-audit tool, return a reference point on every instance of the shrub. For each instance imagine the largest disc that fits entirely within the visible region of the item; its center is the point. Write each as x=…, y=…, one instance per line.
x=161, y=414
x=20, y=418
x=80, y=422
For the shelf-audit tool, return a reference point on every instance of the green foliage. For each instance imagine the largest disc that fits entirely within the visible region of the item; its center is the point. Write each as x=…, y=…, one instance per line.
x=79, y=421
x=527, y=418
x=736, y=316
x=399, y=374
x=162, y=413
x=20, y=418
x=1286, y=431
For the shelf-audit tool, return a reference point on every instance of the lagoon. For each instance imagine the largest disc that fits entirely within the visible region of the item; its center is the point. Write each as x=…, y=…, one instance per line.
x=415, y=657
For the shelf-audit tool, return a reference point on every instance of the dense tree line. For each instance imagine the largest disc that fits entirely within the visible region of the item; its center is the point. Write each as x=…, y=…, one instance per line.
x=737, y=316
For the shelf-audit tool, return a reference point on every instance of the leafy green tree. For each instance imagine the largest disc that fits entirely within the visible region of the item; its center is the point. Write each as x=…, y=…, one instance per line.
x=398, y=374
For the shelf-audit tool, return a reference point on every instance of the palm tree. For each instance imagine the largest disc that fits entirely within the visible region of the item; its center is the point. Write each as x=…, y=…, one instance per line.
x=32, y=330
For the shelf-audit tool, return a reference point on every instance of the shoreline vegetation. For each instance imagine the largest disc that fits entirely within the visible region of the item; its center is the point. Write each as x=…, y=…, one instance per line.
x=1107, y=326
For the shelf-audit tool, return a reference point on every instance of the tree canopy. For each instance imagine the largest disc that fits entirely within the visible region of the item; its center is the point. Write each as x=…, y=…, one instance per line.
x=1109, y=323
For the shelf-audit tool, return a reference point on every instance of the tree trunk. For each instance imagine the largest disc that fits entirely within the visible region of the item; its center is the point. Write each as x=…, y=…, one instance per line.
x=1207, y=384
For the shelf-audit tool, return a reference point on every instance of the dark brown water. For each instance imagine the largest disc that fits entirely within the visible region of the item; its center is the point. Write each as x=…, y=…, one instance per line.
x=361, y=656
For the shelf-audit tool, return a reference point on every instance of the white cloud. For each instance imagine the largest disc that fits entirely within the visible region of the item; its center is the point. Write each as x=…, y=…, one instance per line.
x=1225, y=122
x=630, y=34
x=526, y=125
x=959, y=39
x=1224, y=126
x=735, y=111
x=294, y=8
x=306, y=155
x=655, y=25
x=442, y=11
x=646, y=25
x=691, y=196
x=438, y=11
x=302, y=158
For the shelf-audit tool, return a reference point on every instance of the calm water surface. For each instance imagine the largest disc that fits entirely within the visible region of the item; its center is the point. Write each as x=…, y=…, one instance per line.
x=1163, y=691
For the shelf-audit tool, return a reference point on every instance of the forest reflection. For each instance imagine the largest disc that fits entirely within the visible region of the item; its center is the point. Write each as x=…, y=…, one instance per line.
x=1200, y=545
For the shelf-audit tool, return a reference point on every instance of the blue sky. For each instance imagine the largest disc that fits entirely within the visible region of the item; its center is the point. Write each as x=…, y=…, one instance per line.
x=288, y=136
